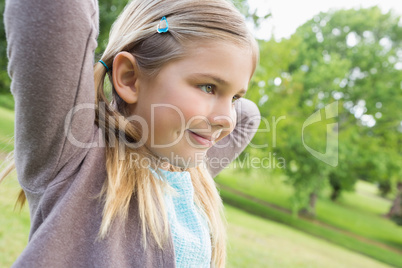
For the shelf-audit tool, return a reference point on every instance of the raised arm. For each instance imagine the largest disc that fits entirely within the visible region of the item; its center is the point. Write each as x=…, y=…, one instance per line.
x=51, y=47
x=227, y=149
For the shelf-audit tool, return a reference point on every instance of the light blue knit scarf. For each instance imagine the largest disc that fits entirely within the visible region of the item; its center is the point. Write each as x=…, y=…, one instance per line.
x=190, y=232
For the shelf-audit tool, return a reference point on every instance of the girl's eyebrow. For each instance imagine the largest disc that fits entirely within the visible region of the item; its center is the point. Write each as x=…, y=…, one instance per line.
x=217, y=80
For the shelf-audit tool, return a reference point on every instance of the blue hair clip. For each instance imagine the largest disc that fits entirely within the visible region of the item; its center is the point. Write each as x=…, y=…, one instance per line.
x=104, y=64
x=163, y=26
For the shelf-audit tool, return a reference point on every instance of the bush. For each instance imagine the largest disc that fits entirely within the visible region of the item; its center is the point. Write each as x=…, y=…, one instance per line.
x=7, y=101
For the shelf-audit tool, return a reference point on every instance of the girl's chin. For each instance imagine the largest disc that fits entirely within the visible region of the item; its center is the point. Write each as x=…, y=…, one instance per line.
x=183, y=162
x=177, y=160
x=188, y=163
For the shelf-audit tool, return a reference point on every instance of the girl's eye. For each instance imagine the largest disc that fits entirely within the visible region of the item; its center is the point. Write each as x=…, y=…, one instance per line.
x=235, y=98
x=207, y=88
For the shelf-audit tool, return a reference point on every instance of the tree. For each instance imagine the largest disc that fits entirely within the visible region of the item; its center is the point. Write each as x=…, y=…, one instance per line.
x=352, y=57
x=366, y=45
x=278, y=97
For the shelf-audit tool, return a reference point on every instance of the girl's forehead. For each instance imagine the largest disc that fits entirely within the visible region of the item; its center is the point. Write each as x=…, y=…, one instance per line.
x=212, y=51
x=213, y=62
x=215, y=49
x=219, y=54
x=211, y=44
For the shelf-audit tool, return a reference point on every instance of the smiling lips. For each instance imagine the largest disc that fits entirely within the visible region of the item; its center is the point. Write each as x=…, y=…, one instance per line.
x=202, y=139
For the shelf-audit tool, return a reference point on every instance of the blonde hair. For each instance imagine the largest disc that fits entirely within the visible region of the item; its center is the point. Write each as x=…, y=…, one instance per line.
x=135, y=32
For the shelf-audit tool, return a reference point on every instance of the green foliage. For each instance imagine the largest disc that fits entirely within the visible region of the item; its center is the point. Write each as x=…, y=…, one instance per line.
x=244, y=8
x=4, y=79
x=7, y=101
x=345, y=56
x=368, y=43
x=109, y=10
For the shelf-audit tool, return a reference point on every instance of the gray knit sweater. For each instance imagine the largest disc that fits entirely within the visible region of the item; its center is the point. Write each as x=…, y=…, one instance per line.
x=51, y=47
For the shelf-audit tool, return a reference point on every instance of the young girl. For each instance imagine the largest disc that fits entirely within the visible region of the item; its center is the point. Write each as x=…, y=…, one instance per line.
x=121, y=183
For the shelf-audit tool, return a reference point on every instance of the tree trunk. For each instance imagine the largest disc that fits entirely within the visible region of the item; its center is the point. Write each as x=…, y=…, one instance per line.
x=395, y=213
x=313, y=200
x=336, y=188
x=336, y=192
x=310, y=210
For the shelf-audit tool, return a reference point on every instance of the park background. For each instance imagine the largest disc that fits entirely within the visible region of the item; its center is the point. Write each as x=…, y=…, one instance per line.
x=321, y=183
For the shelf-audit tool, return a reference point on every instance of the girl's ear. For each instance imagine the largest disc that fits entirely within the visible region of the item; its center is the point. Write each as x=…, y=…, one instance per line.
x=125, y=77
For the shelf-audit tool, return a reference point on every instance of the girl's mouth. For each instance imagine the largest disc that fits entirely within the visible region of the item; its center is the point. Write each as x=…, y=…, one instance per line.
x=201, y=139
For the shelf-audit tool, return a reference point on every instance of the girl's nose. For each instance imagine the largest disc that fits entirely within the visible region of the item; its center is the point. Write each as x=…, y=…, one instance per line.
x=223, y=115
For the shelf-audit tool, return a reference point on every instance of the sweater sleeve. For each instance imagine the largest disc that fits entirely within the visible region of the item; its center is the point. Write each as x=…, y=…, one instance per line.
x=51, y=47
x=230, y=147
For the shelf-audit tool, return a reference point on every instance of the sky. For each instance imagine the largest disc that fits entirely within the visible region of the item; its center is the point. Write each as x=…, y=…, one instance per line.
x=287, y=15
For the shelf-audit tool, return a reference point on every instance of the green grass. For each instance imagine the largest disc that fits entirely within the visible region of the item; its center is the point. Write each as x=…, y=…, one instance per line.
x=255, y=242
x=263, y=186
x=360, y=222
x=6, y=130
x=358, y=212
x=365, y=198
x=328, y=234
x=14, y=226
